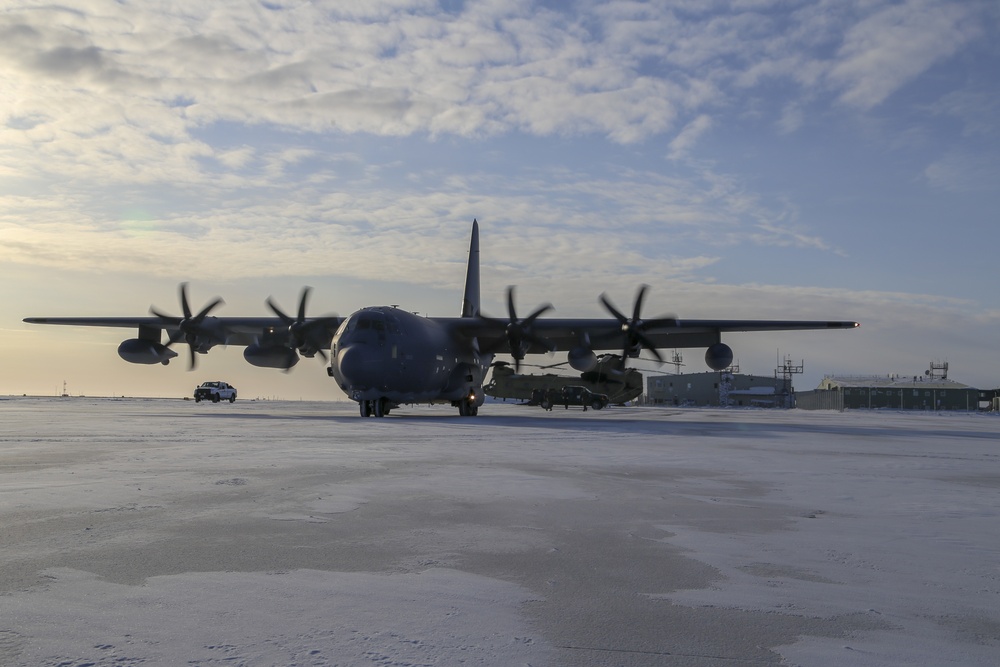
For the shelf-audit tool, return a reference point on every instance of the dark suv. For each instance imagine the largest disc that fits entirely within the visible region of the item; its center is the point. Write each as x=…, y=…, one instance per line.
x=567, y=396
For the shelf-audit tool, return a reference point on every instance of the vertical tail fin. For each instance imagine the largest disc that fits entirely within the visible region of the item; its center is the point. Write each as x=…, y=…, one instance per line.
x=470, y=302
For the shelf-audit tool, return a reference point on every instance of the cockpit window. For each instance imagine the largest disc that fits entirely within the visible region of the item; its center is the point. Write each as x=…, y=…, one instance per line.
x=368, y=321
x=374, y=321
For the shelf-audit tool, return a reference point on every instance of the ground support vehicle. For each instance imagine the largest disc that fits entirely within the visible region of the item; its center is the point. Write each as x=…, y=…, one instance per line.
x=567, y=396
x=215, y=392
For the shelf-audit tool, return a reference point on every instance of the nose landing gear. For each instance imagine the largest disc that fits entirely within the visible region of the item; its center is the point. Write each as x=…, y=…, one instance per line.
x=378, y=407
x=467, y=408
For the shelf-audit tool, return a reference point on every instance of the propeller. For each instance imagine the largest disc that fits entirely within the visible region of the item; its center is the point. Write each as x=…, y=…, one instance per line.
x=518, y=334
x=306, y=336
x=189, y=327
x=634, y=327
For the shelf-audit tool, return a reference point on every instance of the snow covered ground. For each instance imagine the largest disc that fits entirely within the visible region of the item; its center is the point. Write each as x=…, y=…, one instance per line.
x=157, y=532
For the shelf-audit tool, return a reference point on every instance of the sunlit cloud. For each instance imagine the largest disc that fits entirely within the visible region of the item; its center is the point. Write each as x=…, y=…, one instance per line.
x=965, y=172
x=891, y=47
x=687, y=138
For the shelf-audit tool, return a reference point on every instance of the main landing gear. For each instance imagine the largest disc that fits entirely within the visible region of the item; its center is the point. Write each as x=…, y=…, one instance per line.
x=378, y=407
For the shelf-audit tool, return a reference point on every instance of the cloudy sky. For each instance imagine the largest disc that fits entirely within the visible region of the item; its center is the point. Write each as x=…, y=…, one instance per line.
x=831, y=159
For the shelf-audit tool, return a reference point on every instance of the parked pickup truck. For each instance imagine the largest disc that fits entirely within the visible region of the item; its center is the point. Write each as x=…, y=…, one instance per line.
x=215, y=392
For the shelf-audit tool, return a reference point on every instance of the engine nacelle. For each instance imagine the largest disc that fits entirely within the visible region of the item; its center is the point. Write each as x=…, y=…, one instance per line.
x=582, y=359
x=719, y=356
x=140, y=351
x=270, y=356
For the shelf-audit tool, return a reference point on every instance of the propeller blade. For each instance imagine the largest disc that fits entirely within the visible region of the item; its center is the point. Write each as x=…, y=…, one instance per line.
x=633, y=328
x=639, y=296
x=189, y=328
x=184, y=301
x=304, y=336
x=517, y=332
x=207, y=309
x=538, y=311
x=302, y=303
x=175, y=337
x=169, y=319
x=277, y=311
x=649, y=345
x=316, y=334
x=540, y=341
x=611, y=309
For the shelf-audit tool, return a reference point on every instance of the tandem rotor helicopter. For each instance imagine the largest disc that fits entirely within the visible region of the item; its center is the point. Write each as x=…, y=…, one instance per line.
x=384, y=357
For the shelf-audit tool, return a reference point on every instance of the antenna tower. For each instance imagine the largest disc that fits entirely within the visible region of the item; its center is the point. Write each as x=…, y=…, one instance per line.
x=726, y=383
x=788, y=368
x=676, y=360
x=938, y=370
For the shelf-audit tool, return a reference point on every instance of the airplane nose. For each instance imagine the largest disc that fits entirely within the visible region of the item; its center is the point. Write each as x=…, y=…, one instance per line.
x=357, y=366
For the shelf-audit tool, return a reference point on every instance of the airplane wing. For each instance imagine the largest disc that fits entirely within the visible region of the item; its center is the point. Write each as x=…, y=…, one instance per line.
x=230, y=330
x=608, y=334
x=273, y=342
x=270, y=341
x=581, y=337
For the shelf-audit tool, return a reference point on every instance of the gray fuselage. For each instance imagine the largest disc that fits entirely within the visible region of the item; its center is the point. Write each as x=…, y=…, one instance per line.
x=387, y=353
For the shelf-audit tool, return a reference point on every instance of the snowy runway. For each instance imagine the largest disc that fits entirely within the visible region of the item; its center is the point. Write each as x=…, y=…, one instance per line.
x=288, y=533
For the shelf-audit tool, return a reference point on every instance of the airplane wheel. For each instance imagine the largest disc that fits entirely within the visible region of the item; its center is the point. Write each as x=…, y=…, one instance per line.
x=464, y=408
x=378, y=407
x=366, y=408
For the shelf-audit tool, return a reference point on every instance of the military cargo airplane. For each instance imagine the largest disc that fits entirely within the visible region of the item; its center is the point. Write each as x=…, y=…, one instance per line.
x=384, y=357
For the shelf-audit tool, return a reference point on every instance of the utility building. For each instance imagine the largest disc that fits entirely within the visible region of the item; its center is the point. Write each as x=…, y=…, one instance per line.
x=705, y=389
x=930, y=391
